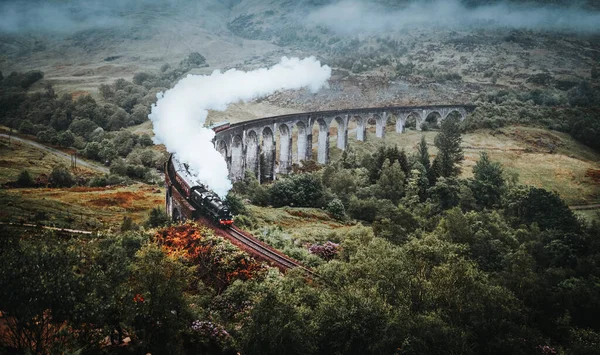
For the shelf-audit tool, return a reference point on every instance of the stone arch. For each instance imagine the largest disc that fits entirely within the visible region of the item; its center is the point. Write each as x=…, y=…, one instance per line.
x=237, y=158
x=413, y=120
x=433, y=119
x=456, y=112
x=252, y=151
x=380, y=123
x=341, y=132
x=359, y=124
x=222, y=148
x=267, y=155
x=285, y=148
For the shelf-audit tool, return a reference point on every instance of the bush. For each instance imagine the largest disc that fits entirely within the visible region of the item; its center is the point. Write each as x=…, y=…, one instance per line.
x=24, y=179
x=61, y=177
x=364, y=209
x=336, y=208
x=30, y=78
x=26, y=127
x=303, y=190
x=157, y=218
x=195, y=59
x=128, y=224
x=236, y=206
x=98, y=181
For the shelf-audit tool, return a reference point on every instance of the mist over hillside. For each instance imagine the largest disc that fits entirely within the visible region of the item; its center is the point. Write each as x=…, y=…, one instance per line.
x=399, y=48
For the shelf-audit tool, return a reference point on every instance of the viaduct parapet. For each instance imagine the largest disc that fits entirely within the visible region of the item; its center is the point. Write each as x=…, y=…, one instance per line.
x=265, y=145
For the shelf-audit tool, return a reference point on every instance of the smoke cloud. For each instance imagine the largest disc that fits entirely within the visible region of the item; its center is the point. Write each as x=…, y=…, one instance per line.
x=354, y=17
x=179, y=115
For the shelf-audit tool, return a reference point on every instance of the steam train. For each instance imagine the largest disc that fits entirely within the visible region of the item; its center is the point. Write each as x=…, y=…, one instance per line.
x=201, y=200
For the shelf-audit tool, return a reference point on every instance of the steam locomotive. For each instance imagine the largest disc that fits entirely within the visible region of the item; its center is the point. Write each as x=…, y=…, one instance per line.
x=202, y=201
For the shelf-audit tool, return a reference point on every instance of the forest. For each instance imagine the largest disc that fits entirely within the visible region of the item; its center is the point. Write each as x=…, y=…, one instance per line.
x=440, y=265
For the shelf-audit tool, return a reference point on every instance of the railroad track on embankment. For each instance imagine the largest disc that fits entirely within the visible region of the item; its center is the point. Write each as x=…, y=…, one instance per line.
x=263, y=251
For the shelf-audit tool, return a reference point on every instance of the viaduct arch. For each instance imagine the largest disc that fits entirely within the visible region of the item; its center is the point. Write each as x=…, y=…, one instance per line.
x=251, y=145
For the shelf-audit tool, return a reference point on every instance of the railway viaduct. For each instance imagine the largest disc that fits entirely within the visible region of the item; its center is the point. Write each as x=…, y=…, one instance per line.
x=252, y=145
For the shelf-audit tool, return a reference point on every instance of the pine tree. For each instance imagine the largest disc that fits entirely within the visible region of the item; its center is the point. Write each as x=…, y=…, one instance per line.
x=423, y=158
x=450, y=153
x=391, y=182
x=489, y=184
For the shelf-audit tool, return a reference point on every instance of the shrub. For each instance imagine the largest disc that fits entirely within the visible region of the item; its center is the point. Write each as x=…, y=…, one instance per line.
x=128, y=224
x=194, y=59
x=26, y=127
x=303, y=190
x=98, y=181
x=61, y=177
x=24, y=179
x=30, y=78
x=336, y=208
x=157, y=218
x=325, y=251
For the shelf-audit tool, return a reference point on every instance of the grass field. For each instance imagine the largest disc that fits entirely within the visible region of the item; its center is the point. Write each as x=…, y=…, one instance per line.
x=80, y=207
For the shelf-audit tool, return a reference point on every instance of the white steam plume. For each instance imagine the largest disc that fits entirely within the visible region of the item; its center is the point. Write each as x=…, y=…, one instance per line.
x=179, y=115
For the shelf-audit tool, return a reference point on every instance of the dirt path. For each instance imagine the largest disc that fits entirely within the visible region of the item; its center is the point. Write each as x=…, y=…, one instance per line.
x=57, y=152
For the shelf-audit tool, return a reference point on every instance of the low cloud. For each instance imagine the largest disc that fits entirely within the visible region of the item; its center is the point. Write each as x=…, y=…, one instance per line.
x=355, y=17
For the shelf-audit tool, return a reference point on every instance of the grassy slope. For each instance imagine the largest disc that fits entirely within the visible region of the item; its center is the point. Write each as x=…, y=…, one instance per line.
x=81, y=207
x=17, y=156
x=78, y=207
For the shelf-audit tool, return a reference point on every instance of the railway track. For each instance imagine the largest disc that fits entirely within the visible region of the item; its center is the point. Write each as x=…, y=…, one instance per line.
x=266, y=252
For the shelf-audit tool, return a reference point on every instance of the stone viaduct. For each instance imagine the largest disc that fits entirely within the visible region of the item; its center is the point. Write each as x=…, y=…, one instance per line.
x=251, y=145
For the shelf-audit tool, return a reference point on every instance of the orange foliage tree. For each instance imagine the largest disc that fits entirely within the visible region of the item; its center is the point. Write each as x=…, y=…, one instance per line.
x=219, y=262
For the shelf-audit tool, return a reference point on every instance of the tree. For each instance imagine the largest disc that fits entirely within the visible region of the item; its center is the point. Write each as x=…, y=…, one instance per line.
x=145, y=140
x=488, y=185
x=92, y=150
x=66, y=139
x=26, y=127
x=450, y=153
x=158, y=282
x=417, y=185
x=391, y=182
x=528, y=204
x=41, y=288
x=336, y=208
x=83, y=127
x=423, y=158
x=302, y=190
x=140, y=114
x=194, y=59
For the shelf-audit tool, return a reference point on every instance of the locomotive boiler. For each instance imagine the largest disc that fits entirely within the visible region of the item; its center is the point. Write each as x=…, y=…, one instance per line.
x=189, y=198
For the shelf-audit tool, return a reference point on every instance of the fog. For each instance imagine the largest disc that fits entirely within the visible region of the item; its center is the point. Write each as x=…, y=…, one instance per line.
x=353, y=17
x=344, y=17
x=179, y=115
x=69, y=16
